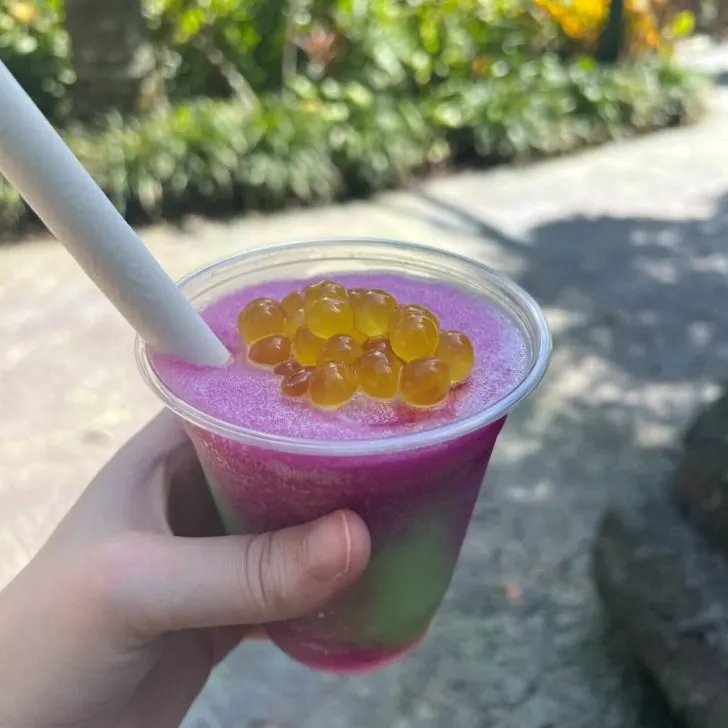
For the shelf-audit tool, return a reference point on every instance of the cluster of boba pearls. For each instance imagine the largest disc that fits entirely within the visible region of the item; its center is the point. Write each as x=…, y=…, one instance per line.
x=327, y=343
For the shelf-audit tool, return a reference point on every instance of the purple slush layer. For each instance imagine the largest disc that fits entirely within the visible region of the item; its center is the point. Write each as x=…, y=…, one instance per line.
x=500, y=348
x=417, y=504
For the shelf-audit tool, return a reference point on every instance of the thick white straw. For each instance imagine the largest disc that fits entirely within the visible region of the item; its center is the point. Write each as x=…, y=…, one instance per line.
x=34, y=159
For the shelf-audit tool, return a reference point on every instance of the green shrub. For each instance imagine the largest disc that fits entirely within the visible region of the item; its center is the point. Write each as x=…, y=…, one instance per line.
x=34, y=46
x=204, y=41
x=546, y=107
x=421, y=44
x=320, y=143
x=308, y=101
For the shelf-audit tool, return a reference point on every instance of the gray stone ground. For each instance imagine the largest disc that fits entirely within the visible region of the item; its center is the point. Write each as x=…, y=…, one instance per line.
x=627, y=248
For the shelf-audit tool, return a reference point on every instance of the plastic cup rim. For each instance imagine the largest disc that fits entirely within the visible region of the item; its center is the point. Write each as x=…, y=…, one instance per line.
x=350, y=448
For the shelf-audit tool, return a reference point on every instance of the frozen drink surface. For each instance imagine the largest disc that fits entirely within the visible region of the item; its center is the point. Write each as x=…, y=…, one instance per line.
x=416, y=502
x=248, y=396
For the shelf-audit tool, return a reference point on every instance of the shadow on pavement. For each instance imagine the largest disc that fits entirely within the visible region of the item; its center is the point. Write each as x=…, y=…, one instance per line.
x=650, y=295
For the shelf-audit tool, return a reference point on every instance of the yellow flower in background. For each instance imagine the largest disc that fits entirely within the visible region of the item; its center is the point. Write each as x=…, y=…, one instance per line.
x=640, y=7
x=24, y=13
x=583, y=20
x=652, y=38
x=579, y=19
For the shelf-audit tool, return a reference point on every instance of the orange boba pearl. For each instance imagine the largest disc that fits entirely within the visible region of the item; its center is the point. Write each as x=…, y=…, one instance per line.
x=415, y=308
x=358, y=336
x=456, y=350
x=342, y=348
x=425, y=382
x=293, y=323
x=376, y=343
x=373, y=312
x=270, y=352
x=296, y=383
x=260, y=318
x=292, y=307
x=324, y=289
x=379, y=374
x=292, y=303
x=306, y=346
x=286, y=368
x=327, y=317
x=332, y=384
x=413, y=336
x=355, y=294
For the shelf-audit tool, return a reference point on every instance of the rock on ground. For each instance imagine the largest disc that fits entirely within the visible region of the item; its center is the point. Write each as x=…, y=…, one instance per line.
x=662, y=570
x=667, y=592
x=702, y=475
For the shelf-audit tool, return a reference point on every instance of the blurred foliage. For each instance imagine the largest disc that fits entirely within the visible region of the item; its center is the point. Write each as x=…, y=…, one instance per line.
x=34, y=47
x=418, y=44
x=711, y=16
x=280, y=102
x=206, y=42
x=648, y=25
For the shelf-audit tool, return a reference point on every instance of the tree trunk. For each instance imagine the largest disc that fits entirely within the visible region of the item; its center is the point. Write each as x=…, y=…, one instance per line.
x=114, y=61
x=609, y=45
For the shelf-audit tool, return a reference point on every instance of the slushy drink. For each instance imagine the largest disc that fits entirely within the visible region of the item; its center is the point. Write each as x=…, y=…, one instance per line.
x=412, y=474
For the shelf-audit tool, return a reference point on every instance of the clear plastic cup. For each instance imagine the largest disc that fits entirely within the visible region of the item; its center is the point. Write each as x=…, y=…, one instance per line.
x=416, y=492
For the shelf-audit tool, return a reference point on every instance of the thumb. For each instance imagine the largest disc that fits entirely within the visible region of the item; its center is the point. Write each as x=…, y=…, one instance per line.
x=192, y=583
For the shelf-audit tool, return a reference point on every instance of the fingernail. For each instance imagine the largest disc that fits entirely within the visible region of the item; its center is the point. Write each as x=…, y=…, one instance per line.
x=328, y=548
